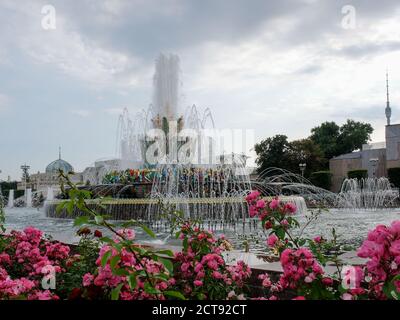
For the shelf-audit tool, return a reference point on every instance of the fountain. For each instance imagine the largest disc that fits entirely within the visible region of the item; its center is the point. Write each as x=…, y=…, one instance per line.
x=28, y=198
x=50, y=194
x=10, y=203
x=295, y=188
x=201, y=187
x=367, y=193
x=210, y=190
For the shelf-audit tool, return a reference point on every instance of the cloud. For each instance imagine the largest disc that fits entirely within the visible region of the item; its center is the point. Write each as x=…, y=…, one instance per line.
x=65, y=48
x=275, y=66
x=369, y=49
x=81, y=113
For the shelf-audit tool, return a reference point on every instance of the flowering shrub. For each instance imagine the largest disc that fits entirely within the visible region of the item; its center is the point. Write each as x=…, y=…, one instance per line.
x=130, y=274
x=303, y=271
x=201, y=271
x=25, y=259
x=277, y=218
x=382, y=248
x=118, y=268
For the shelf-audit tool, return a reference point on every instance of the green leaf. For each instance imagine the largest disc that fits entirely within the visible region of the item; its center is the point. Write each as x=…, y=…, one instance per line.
x=105, y=258
x=148, y=288
x=114, y=261
x=60, y=207
x=161, y=276
x=140, y=250
x=201, y=296
x=168, y=253
x=174, y=294
x=167, y=264
x=185, y=244
x=72, y=193
x=121, y=272
x=99, y=219
x=302, y=242
x=70, y=207
x=81, y=221
x=132, y=281
x=280, y=233
x=107, y=240
x=129, y=223
x=390, y=290
x=148, y=230
x=116, y=291
x=342, y=289
x=85, y=194
x=395, y=295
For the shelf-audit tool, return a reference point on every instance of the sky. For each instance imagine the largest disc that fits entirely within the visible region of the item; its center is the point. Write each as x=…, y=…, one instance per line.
x=277, y=67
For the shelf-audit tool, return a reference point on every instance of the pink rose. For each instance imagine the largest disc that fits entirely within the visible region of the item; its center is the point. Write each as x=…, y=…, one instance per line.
x=290, y=207
x=318, y=239
x=274, y=204
x=268, y=225
x=284, y=223
x=198, y=283
x=327, y=281
x=87, y=279
x=272, y=239
x=216, y=275
x=260, y=204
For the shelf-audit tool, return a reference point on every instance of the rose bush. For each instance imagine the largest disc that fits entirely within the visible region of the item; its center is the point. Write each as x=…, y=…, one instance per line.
x=25, y=259
x=201, y=270
x=303, y=267
x=116, y=267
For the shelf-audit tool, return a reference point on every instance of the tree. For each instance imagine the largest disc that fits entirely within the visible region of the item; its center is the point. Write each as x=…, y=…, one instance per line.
x=334, y=140
x=279, y=152
x=326, y=141
x=326, y=136
x=353, y=135
x=308, y=152
x=272, y=152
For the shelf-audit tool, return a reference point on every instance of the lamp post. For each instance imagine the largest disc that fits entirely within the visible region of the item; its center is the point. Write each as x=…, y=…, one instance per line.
x=302, y=167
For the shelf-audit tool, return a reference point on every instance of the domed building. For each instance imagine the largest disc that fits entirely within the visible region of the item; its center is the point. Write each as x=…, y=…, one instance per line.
x=43, y=181
x=48, y=181
x=57, y=165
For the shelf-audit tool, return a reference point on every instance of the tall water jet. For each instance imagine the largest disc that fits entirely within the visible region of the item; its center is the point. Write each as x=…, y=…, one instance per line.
x=367, y=193
x=50, y=194
x=28, y=198
x=10, y=203
x=166, y=87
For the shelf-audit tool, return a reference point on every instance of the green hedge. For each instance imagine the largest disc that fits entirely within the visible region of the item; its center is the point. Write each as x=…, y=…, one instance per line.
x=357, y=174
x=322, y=179
x=7, y=186
x=394, y=176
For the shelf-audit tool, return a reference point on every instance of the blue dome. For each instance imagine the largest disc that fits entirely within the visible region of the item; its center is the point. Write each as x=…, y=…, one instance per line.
x=57, y=165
